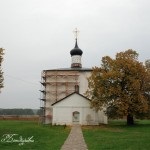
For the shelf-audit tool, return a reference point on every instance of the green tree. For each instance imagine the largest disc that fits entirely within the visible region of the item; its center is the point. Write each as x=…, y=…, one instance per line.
x=121, y=85
x=39, y=112
x=1, y=73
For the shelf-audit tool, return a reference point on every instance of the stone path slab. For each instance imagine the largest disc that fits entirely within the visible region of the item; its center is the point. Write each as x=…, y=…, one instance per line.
x=75, y=140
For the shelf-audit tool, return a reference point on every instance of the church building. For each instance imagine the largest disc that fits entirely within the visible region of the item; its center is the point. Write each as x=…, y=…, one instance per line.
x=63, y=99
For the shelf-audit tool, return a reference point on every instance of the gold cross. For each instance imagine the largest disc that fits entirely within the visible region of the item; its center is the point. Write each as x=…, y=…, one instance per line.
x=76, y=33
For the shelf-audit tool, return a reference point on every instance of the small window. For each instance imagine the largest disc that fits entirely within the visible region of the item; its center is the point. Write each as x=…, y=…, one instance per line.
x=77, y=88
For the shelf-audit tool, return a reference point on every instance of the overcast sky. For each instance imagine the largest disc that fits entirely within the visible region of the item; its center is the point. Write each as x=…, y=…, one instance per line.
x=38, y=35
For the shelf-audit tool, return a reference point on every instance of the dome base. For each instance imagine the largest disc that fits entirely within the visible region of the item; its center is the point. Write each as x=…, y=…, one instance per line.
x=76, y=65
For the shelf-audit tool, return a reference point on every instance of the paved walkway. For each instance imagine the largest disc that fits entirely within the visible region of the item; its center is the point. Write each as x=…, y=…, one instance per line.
x=75, y=140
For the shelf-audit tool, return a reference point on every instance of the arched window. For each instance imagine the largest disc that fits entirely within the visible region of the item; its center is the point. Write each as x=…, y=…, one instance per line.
x=75, y=117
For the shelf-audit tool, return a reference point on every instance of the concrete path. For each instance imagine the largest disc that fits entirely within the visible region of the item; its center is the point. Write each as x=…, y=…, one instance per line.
x=75, y=140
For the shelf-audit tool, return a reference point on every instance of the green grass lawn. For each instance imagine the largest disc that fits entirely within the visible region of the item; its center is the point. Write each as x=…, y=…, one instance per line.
x=118, y=136
x=38, y=137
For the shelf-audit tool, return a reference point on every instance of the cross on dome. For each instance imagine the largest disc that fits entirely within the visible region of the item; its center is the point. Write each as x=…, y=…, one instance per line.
x=76, y=53
x=76, y=33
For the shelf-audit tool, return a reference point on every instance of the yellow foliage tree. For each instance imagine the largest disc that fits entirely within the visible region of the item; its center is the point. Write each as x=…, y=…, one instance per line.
x=121, y=85
x=1, y=73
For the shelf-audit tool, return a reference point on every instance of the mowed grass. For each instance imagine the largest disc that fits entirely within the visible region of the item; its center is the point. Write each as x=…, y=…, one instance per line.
x=118, y=136
x=45, y=137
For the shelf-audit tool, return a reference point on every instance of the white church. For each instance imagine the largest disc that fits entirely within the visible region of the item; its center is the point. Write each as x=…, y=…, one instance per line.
x=62, y=94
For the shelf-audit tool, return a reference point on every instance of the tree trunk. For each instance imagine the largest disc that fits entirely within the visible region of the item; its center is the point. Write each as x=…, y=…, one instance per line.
x=130, y=120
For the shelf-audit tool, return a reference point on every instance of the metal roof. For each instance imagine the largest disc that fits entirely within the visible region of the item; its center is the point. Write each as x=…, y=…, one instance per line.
x=70, y=69
x=69, y=96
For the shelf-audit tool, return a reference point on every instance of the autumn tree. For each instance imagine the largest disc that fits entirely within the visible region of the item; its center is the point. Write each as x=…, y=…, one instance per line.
x=1, y=73
x=147, y=64
x=121, y=85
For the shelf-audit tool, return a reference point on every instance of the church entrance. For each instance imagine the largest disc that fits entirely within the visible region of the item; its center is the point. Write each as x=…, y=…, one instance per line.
x=76, y=117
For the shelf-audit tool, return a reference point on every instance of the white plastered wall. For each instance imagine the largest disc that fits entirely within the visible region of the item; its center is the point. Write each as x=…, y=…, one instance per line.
x=63, y=110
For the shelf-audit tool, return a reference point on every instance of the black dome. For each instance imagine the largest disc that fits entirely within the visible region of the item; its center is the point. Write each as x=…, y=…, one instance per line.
x=76, y=50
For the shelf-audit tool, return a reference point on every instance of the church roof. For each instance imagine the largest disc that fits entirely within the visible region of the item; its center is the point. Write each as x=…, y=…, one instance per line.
x=70, y=69
x=69, y=96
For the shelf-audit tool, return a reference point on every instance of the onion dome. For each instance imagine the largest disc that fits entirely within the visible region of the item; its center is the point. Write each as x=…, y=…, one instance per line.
x=76, y=50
